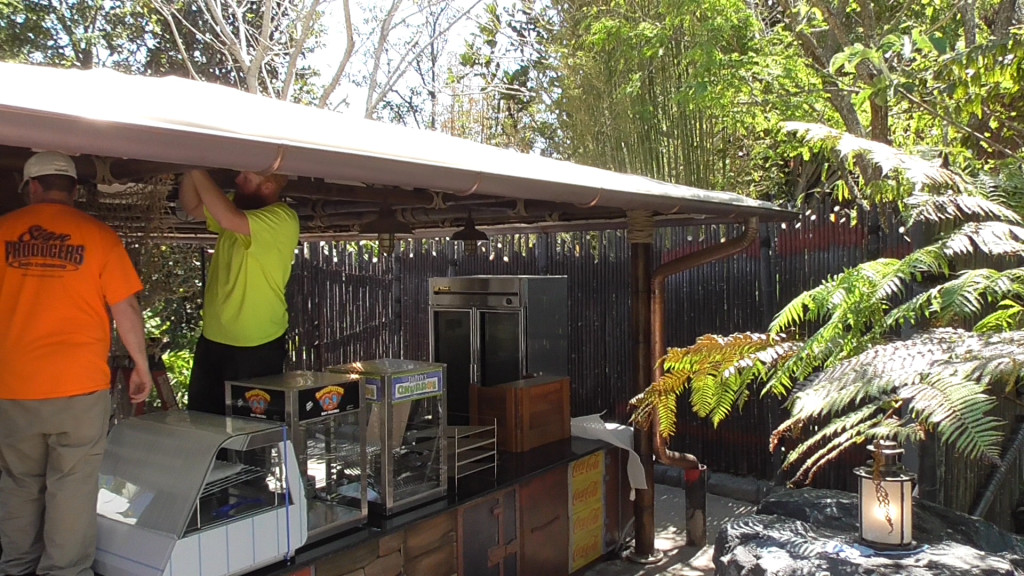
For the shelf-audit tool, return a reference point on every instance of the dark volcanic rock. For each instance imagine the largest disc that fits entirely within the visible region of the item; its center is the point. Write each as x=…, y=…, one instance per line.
x=814, y=533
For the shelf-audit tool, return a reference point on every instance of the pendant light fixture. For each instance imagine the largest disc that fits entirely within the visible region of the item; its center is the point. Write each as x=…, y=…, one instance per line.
x=386, y=226
x=470, y=236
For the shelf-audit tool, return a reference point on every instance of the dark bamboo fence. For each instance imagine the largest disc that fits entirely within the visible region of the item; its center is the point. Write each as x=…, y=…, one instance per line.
x=349, y=305
x=341, y=306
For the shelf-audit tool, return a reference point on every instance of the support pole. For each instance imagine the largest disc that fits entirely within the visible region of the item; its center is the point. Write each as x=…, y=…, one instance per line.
x=641, y=240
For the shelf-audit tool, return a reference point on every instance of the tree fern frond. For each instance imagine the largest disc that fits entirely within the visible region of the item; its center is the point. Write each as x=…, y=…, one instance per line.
x=716, y=371
x=1009, y=316
x=956, y=409
x=937, y=381
x=956, y=207
x=796, y=311
x=992, y=238
x=930, y=260
x=964, y=297
x=667, y=417
x=883, y=428
x=917, y=170
x=888, y=428
x=848, y=428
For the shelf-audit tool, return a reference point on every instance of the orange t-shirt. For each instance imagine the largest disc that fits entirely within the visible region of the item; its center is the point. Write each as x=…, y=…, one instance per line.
x=61, y=270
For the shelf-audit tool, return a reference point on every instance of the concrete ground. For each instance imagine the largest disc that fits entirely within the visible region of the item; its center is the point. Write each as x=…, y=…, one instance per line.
x=670, y=537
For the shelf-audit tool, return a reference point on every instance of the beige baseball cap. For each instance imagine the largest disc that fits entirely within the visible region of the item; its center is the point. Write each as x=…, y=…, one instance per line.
x=45, y=163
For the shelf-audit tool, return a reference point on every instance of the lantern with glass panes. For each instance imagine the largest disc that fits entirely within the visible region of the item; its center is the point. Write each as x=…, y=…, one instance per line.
x=884, y=490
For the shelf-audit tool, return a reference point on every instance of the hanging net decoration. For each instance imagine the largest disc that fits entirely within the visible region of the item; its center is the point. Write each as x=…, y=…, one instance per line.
x=170, y=269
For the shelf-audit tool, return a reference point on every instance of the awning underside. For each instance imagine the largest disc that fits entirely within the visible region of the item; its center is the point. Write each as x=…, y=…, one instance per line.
x=132, y=129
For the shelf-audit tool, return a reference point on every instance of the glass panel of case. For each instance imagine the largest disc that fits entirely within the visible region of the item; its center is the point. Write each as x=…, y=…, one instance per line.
x=405, y=431
x=240, y=483
x=147, y=480
x=324, y=414
x=333, y=464
x=416, y=450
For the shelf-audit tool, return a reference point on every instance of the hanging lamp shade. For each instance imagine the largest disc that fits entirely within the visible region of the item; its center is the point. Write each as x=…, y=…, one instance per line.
x=385, y=223
x=469, y=235
x=386, y=226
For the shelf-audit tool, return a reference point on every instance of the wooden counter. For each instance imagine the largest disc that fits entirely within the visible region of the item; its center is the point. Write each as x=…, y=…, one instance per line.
x=519, y=522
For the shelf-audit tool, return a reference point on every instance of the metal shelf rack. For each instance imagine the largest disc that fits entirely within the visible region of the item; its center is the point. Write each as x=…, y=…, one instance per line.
x=472, y=449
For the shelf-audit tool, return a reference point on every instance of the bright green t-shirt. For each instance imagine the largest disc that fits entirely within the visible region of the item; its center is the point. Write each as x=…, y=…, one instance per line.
x=244, y=303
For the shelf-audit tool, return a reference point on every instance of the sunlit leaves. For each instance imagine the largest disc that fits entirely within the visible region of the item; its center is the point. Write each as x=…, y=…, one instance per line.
x=919, y=171
x=716, y=370
x=941, y=381
x=850, y=382
x=950, y=207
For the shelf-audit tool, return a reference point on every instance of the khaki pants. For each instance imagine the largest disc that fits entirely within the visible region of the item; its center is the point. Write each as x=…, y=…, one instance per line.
x=50, y=453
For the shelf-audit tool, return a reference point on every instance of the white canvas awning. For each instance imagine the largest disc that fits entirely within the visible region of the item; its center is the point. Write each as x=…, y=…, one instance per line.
x=186, y=123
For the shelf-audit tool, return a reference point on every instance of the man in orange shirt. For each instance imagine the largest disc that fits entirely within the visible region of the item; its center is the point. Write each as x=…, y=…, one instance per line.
x=63, y=271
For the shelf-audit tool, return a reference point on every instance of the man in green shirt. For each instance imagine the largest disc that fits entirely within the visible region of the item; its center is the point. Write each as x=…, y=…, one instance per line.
x=244, y=311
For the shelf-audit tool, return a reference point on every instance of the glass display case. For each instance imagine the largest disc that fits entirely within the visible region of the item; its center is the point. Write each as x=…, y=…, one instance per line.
x=327, y=426
x=175, y=483
x=405, y=432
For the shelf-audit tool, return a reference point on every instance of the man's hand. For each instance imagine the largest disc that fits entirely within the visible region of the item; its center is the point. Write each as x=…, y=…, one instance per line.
x=223, y=210
x=128, y=319
x=140, y=383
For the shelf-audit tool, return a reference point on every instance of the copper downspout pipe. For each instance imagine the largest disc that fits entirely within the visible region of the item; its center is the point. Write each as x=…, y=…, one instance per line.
x=645, y=526
x=658, y=349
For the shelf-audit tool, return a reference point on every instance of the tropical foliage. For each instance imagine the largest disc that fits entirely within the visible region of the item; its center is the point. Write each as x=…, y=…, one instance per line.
x=854, y=382
x=939, y=381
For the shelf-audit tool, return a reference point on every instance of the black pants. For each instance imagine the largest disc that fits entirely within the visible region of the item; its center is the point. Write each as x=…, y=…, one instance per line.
x=214, y=363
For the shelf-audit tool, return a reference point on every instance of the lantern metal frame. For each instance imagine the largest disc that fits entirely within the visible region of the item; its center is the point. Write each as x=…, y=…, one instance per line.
x=885, y=500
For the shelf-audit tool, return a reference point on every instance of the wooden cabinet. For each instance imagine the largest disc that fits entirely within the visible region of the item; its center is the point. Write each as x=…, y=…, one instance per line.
x=543, y=518
x=529, y=413
x=489, y=536
x=553, y=522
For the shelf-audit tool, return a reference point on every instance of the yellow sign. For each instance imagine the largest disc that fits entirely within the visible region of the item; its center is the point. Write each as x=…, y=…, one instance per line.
x=586, y=510
x=586, y=548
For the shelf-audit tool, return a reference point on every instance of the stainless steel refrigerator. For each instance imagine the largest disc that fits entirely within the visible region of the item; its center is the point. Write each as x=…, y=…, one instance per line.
x=490, y=330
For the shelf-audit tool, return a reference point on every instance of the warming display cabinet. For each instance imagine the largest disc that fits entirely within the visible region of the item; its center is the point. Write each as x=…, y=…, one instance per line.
x=327, y=426
x=490, y=330
x=405, y=433
x=187, y=493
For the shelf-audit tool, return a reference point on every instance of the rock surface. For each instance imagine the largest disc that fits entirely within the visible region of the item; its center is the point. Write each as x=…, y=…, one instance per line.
x=814, y=532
